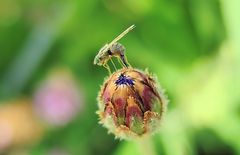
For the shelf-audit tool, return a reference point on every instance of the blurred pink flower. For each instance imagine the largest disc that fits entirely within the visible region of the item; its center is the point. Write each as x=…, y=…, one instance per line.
x=58, y=99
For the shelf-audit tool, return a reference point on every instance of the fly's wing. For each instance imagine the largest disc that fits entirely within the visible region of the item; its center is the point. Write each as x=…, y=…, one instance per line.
x=122, y=34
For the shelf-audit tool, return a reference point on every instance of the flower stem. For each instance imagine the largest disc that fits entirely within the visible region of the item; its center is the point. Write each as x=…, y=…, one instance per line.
x=145, y=145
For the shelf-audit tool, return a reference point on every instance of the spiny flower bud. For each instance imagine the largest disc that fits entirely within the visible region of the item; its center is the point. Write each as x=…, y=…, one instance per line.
x=131, y=103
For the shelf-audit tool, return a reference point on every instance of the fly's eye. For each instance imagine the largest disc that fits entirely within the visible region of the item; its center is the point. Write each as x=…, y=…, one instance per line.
x=109, y=52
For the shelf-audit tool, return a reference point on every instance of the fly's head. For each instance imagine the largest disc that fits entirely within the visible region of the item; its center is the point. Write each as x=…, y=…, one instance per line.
x=103, y=55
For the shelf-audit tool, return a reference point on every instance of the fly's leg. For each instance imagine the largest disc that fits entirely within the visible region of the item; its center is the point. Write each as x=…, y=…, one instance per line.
x=108, y=68
x=113, y=64
x=120, y=61
x=124, y=60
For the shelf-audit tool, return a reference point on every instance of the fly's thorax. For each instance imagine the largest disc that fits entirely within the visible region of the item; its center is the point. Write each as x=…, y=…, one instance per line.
x=117, y=49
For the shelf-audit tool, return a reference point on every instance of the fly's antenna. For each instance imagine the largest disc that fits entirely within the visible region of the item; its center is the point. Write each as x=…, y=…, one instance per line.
x=122, y=35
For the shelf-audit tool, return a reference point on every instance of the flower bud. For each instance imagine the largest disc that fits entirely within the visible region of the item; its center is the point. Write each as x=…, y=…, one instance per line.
x=131, y=103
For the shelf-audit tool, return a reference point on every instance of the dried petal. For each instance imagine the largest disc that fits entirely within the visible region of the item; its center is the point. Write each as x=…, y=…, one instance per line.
x=134, y=116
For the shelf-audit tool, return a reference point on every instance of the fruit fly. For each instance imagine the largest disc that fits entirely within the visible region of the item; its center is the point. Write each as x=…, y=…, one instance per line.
x=113, y=49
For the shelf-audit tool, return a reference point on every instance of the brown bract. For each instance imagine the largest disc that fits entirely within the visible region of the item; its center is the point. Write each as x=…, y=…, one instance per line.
x=131, y=103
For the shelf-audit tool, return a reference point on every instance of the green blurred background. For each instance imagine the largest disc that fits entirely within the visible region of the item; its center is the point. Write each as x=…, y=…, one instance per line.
x=49, y=85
